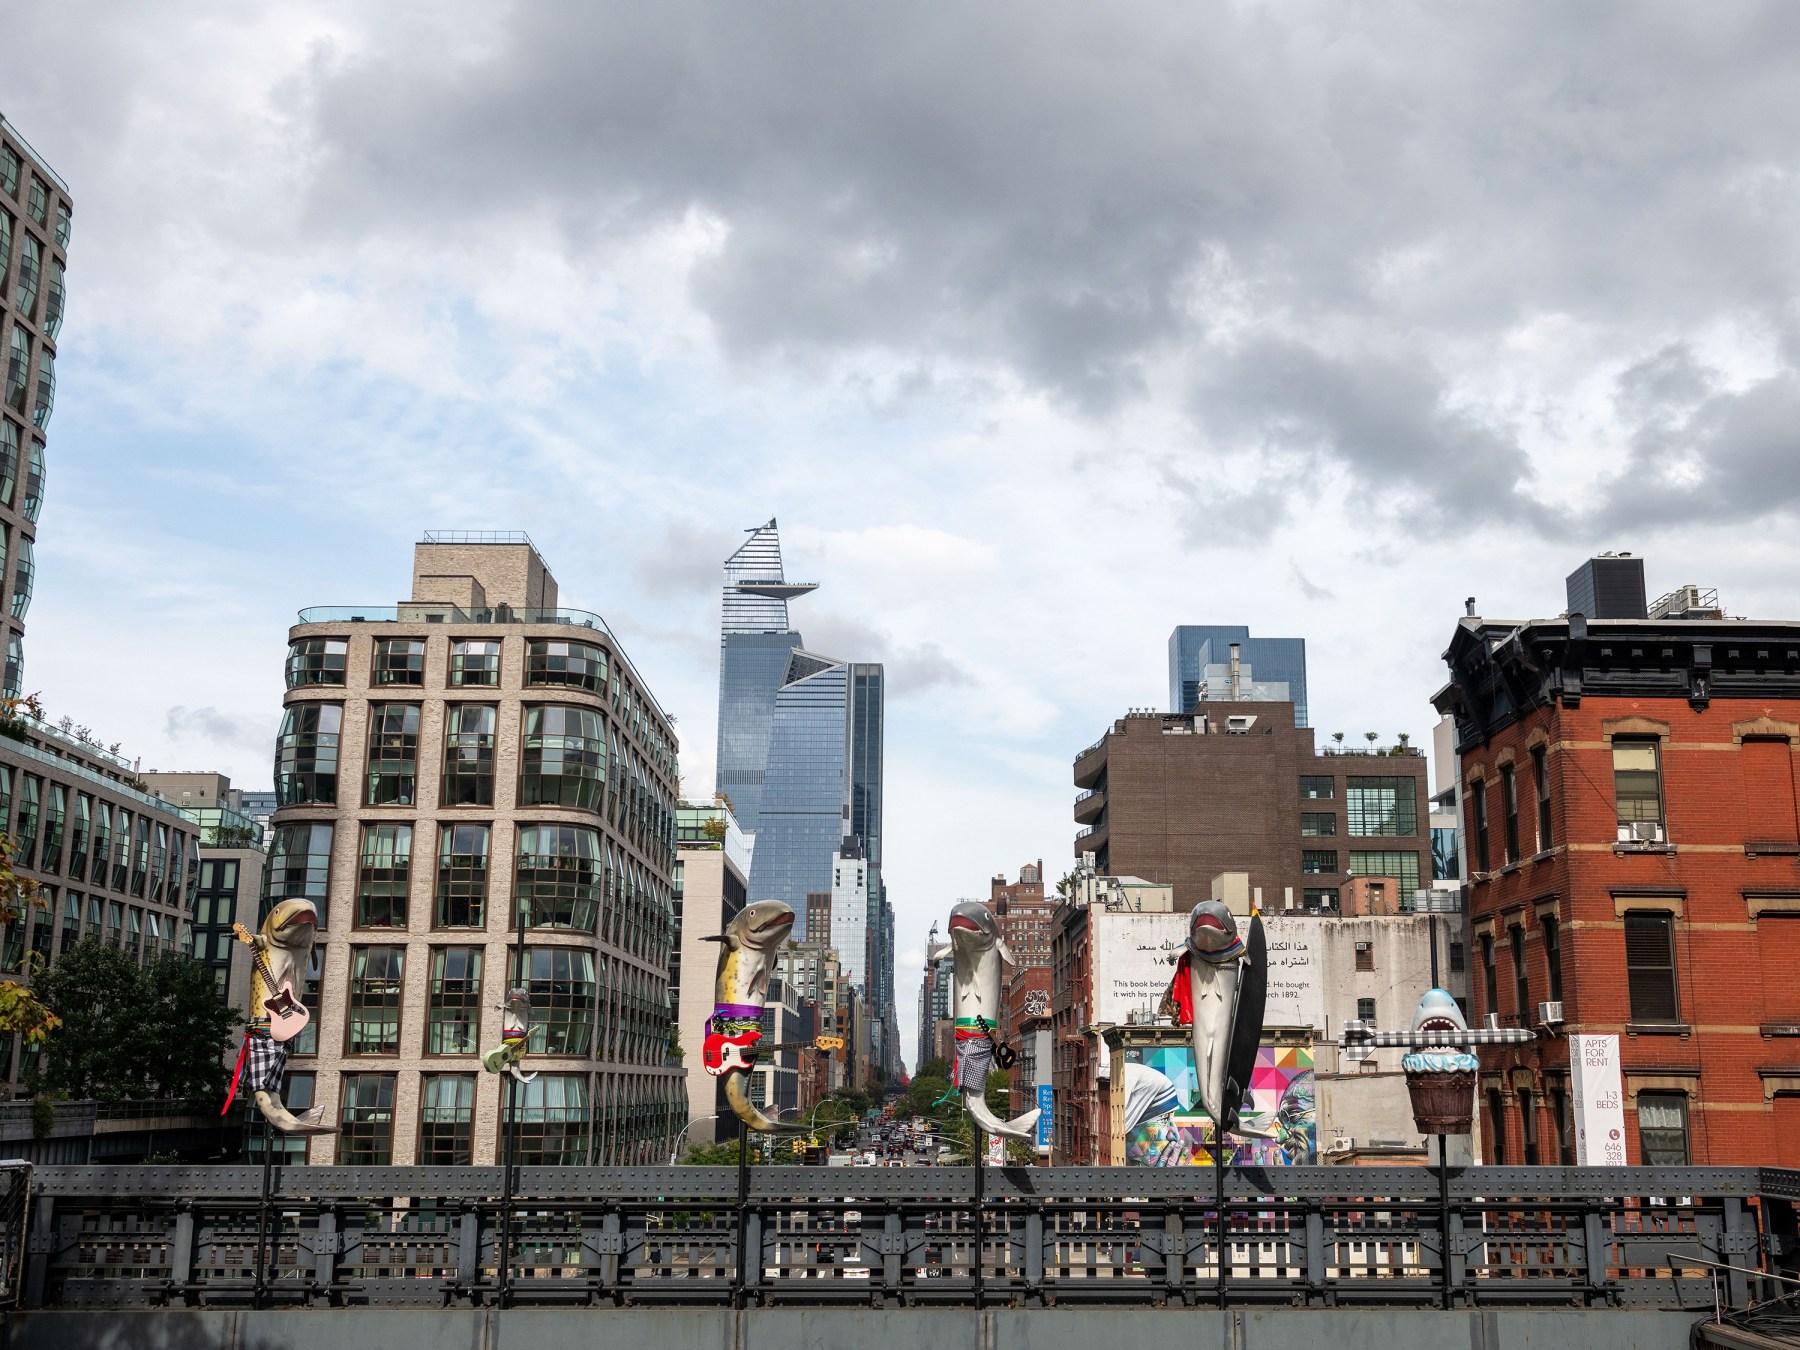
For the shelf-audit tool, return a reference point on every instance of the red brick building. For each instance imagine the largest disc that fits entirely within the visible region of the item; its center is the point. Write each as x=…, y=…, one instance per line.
x=1634, y=854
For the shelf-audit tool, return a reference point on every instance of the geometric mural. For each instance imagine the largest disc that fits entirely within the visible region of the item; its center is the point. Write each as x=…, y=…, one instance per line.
x=1281, y=1104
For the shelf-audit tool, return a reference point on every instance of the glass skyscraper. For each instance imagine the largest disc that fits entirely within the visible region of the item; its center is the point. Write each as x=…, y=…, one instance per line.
x=822, y=781
x=1194, y=647
x=755, y=643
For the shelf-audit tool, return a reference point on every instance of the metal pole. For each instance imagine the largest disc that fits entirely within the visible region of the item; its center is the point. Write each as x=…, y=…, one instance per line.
x=743, y=1224
x=1431, y=923
x=1219, y=1207
x=1444, y=1217
x=259, y=1284
x=978, y=1148
x=509, y=1124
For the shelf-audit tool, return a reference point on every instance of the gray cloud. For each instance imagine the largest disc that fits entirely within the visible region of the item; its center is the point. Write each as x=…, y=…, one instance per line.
x=909, y=670
x=684, y=562
x=212, y=727
x=1074, y=197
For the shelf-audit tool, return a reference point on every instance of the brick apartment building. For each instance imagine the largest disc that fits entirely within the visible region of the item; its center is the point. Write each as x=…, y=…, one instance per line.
x=1634, y=856
x=1238, y=787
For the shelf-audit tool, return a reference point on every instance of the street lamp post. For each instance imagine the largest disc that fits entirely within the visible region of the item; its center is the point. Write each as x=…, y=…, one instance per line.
x=675, y=1152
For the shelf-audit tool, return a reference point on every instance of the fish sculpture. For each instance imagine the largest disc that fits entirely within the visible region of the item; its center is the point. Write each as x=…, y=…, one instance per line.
x=282, y=952
x=747, y=947
x=1219, y=989
x=978, y=951
x=515, y=1033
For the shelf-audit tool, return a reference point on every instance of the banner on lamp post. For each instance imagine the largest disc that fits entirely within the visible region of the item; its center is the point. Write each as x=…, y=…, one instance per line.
x=1599, y=1104
x=1045, y=1095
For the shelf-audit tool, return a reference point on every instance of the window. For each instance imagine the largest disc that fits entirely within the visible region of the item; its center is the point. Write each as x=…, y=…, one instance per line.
x=469, y=754
x=1313, y=824
x=399, y=661
x=454, y=1017
x=1315, y=863
x=71, y=920
x=9, y=462
x=1403, y=867
x=557, y=882
x=56, y=810
x=307, y=1042
x=1662, y=1129
x=393, y=753
x=1509, y=811
x=55, y=293
x=80, y=832
x=564, y=763
x=18, y=369
x=316, y=661
x=23, y=574
x=1553, y=955
x=1650, y=966
x=1540, y=781
x=46, y=389
x=382, y=879
x=1317, y=789
x=374, y=1012
x=1637, y=789
x=1521, y=975
x=62, y=224
x=38, y=204
x=1564, y=1121
x=462, y=876
x=1528, y=1132
x=1381, y=806
x=552, y=1111
x=25, y=835
x=9, y=180
x=103, y=843
x=25, y=297
x=1319, y=898
x=299, y=865
x=1497, y=1123
x=476, y=663
x=1459, y=958
x=34, y=482
x=306, y=754
x=560, y=981
x=1478, y=825
x=366, y=1121
x=1490, y=985
x=1365, y=1008
x=577, y=665
x=447, y=1120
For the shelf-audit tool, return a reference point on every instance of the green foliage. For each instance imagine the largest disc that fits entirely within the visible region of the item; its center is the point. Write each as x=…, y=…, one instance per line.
x=129, y=1033
x=934, y=1068
x=43, y=1116
x=713, y=1155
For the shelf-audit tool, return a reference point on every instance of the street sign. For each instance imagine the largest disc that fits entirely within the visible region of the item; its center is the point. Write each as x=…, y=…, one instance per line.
x=1599, y=1101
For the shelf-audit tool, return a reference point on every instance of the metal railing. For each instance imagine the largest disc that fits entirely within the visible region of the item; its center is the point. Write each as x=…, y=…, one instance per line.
x=423, y=1236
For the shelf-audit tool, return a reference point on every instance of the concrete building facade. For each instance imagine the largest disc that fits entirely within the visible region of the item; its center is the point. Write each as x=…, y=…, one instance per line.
x=1238, y=787
x=712, y=866
x=449, y=769
x=1630, y=825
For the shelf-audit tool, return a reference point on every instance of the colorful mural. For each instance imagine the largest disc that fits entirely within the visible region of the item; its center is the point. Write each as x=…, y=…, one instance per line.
x=1280, y=1104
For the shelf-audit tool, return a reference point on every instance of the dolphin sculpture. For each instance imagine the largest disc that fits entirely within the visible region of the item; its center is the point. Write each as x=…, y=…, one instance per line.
x=978, y=950
x=740, y=990
x=1219, y=989
x=282, y=952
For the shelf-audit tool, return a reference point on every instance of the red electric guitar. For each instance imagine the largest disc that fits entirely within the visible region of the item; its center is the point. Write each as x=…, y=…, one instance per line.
x=286, y=1013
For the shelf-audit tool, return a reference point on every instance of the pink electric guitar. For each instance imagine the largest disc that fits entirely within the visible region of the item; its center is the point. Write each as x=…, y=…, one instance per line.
x=286, y=1013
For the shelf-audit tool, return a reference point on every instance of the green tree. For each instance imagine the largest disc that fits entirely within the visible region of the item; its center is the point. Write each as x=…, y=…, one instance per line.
x=130, y=1033
x=713, y=1155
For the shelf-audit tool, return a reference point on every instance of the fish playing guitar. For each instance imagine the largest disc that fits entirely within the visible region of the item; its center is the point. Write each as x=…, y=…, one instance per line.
x=274, y=998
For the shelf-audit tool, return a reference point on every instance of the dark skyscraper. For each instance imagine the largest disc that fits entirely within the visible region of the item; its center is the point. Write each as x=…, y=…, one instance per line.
x=755, y=642
x=1194, y=647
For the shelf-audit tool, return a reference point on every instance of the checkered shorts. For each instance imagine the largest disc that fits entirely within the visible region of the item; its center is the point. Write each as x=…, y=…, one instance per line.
x=264, y=1063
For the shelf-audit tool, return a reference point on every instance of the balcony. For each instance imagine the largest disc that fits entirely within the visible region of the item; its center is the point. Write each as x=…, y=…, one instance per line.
x=1090, y=764
x=1092, y=839
x=1089, y=805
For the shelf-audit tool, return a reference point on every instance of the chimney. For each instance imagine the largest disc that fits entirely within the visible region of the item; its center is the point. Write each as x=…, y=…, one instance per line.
x=1469, y=607
x=1236, y=675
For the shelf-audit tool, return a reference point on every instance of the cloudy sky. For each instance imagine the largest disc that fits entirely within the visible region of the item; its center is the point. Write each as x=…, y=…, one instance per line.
x=1041, y=328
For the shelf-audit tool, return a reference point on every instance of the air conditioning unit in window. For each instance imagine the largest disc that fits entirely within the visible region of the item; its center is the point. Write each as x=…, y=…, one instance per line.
x=1491, y=1021
x=1641, y=832
x=1550, y=1014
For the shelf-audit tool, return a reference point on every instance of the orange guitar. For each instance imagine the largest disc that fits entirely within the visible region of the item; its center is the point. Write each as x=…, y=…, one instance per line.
x=276, y=998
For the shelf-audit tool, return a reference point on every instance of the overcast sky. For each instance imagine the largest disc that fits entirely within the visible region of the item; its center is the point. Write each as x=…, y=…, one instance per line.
x=1041, y=327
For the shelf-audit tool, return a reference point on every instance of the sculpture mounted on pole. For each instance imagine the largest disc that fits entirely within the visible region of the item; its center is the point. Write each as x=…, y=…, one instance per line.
x=740, y=990
x=1220, y=988
x=978, y=950
x=282, y=952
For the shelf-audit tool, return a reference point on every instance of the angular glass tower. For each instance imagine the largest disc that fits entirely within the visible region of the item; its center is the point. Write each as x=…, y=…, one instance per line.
x=754, y=645
x=1193, y=647
x=822, y=781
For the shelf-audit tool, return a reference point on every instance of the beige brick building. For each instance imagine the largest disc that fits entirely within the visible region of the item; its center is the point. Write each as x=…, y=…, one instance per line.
x=446, y=767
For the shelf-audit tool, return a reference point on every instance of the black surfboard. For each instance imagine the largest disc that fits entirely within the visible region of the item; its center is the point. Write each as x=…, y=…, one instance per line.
x=1246, y=1021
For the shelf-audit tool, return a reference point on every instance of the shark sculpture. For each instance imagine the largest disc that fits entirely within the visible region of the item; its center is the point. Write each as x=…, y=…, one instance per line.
x=978, y=951
x=740, y=990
